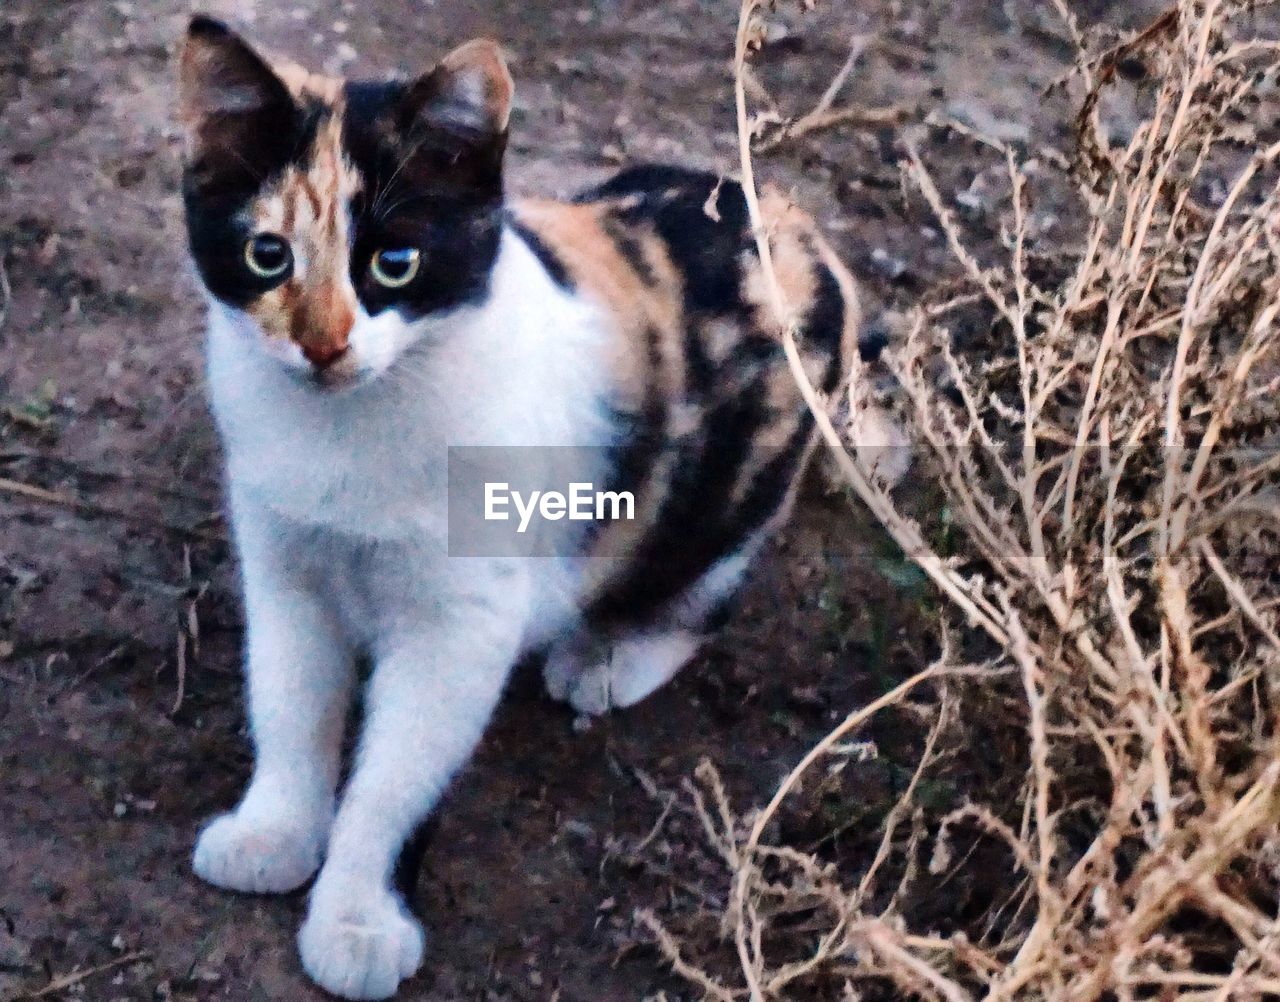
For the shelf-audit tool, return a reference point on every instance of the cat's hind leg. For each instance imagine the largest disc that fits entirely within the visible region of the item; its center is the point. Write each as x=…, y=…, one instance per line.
x=595, y=675
x=631, y=669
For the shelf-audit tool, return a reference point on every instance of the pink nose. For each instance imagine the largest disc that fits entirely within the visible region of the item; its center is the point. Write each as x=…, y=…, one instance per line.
x=324, y=354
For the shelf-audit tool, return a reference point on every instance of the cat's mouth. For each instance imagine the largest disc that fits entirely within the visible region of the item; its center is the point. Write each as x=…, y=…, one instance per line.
x=334, y=380
x=331, y=381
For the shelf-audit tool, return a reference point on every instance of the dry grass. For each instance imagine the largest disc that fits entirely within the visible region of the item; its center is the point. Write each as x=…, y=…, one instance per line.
x=1109, y=450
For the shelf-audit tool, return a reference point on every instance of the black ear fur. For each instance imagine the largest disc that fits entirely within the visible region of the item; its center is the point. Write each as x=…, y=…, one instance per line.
x=242, y=123
x=468, y=94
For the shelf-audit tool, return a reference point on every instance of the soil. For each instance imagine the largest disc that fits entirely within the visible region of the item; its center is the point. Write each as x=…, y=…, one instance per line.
x=121, y=724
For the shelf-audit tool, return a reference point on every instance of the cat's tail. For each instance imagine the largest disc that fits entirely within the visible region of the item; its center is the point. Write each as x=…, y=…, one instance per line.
x=840, y=352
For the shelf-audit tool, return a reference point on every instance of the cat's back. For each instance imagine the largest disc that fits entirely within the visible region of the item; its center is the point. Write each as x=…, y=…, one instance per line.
x=716, y=429
x=669, y=254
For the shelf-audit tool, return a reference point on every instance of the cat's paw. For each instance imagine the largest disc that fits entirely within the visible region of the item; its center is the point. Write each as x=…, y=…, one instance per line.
x=561, y=671
x=255, y=856
x=633, y=669
x=360, y=949
x=590, y=692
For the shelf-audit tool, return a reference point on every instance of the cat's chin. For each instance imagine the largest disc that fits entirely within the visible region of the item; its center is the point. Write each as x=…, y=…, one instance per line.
x=332, y=382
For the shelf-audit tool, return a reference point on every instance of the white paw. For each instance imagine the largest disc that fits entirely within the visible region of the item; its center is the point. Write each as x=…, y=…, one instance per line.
x=591, y=691
x=632, y=670
x=360, y=949
x=559, y=674
x=256, y=856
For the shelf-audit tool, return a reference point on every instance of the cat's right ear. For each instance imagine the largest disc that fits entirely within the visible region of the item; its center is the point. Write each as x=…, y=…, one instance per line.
x=229, y=96
x=468, y=94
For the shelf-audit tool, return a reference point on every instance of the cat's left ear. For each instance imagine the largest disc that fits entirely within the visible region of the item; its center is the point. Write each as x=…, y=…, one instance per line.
x=241, y=121
x=468, y=94
x=220, y=76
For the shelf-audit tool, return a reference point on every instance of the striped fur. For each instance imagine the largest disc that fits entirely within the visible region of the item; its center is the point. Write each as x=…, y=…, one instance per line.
x=717, y=432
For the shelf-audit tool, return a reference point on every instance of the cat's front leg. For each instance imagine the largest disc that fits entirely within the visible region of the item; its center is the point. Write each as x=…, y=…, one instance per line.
x=436, y=679
x=299, y=677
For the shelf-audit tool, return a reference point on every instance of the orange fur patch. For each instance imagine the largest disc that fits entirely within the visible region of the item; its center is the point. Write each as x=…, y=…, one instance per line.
x=648, y=317
x=317, y=306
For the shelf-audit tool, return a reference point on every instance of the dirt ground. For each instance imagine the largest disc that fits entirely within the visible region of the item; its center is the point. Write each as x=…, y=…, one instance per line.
x=111, y=756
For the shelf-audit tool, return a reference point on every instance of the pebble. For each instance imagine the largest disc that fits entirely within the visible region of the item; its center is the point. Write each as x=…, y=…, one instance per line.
x=891, y=267
x=986, y=122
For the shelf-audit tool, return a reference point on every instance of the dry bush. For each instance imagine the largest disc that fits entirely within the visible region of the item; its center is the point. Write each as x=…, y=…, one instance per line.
x=1109, y=450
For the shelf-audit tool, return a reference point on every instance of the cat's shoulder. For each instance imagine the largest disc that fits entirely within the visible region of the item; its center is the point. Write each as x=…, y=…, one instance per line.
x=666, y=244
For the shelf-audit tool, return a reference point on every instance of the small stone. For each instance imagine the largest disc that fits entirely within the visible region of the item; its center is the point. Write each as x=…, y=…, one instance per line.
x=579, y=828
x=889, y=266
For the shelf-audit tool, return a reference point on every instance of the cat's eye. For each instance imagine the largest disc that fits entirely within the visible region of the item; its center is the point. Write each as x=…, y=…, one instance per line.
x=267, y=255
x=394, y=268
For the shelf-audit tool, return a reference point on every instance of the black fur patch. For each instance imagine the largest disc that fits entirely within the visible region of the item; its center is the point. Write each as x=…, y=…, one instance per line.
x=705, y=250
x=697, y=523
x=643, y=433
x=701, y=371
x=235, y=156
x=629, y=247
x=548, y=258
x=425, y=186
x=824, y=324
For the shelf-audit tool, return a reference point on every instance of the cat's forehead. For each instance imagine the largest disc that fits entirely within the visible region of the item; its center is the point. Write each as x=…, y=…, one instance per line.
x=311, y=195
x=312, y=191
x=306, y=86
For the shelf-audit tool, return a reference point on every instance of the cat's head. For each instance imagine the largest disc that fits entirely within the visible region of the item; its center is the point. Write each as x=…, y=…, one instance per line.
x=332, y=220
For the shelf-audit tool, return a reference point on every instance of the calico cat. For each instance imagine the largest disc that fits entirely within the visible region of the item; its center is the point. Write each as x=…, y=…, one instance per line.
x=373, y=300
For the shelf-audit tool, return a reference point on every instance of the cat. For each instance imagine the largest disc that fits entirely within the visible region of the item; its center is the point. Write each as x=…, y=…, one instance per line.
x=373, y=300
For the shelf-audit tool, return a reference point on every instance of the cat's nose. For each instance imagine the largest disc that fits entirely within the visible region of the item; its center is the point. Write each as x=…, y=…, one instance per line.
x=323, y=354
x=321, y=324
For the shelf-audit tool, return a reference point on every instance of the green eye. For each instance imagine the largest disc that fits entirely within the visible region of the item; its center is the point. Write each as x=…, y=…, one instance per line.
x=267, y=255
x=394, y=268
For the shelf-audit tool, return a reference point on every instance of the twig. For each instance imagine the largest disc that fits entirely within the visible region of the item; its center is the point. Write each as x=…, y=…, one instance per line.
x=45, y=496
x=6, y=293
x=823, y=115
x=67, y=980
x=1238, y=595
x=892, y=114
